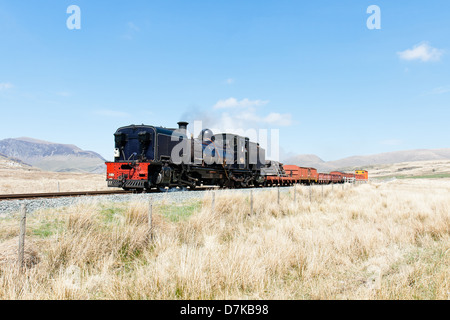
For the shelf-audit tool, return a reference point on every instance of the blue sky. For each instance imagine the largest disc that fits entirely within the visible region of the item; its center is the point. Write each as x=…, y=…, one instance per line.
x=311, y=69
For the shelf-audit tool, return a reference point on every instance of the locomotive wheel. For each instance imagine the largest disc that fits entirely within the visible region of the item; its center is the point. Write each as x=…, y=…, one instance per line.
x=229, y=184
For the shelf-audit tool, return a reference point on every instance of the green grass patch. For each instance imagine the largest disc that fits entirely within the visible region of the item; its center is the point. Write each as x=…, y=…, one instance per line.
x=431, y=176
x=177, y=212
x=47, y=228
x=109, y=213
x=428, y=176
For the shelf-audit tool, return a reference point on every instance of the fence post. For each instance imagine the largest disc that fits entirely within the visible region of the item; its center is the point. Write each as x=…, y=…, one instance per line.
x=58, y=186
x=23, y=222
x=310, y=192
x=278, y=201
x=295, y=194
x=251, y=202
x=213, y=202
x=322, y=191
x=150, y=219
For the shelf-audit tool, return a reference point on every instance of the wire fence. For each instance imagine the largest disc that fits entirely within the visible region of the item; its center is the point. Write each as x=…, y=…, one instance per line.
x=176, y=211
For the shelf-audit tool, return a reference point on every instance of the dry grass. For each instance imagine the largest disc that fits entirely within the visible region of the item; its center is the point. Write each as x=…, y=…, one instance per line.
x=432, y=168
x=32, y=180
x=375, y=241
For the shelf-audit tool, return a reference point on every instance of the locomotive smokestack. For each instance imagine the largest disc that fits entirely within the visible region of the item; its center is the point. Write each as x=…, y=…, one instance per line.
x=182, y=125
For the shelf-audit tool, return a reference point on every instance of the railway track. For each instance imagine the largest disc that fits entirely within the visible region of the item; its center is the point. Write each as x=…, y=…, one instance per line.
x=31, y=196
x=26, y=196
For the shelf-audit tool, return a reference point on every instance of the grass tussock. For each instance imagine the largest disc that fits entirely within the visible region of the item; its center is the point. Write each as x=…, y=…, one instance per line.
x=374, y=241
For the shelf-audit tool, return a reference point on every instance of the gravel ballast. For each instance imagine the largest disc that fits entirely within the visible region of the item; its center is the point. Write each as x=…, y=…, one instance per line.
x=11, y=207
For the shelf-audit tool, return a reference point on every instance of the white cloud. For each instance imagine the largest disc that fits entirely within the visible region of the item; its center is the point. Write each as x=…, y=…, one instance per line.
x=132, y=30
x=5, y=86
x=278, y=119
x=237, y=116
x=245, y=114
x=64, y=94
x=133, y=27
x=247, y=121
x=234, y=103
x=423, y=52
x=229, y=81
x=440, y=90
x=273, y=118
x=242, y=116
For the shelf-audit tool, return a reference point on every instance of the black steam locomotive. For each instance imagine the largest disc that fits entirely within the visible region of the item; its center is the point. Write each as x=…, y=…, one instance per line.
x=148, y=157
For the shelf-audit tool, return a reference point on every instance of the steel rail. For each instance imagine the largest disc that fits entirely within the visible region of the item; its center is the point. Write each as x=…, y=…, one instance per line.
x=29, y=196
x=24, y=196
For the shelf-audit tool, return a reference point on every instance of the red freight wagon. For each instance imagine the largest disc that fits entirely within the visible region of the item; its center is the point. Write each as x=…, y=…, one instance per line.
x=324, y=178
x=337, y=177
x=349, y=177
x=313, y=175
x=275, y=174
x=361, y=175
x=301, y=174
x=277, y=180
x=296, y=172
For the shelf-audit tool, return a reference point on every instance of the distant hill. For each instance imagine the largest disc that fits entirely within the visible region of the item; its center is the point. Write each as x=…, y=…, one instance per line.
x=51, y=156
x=7, y=162
x=308, y=160
x=362, y=161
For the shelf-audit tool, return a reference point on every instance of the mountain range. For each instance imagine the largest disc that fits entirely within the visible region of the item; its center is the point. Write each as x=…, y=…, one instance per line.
x=308, y=160
x=57, y=157
x=51, y=156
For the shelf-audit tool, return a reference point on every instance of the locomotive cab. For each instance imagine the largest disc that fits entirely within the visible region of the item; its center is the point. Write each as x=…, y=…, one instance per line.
x=134, y=143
